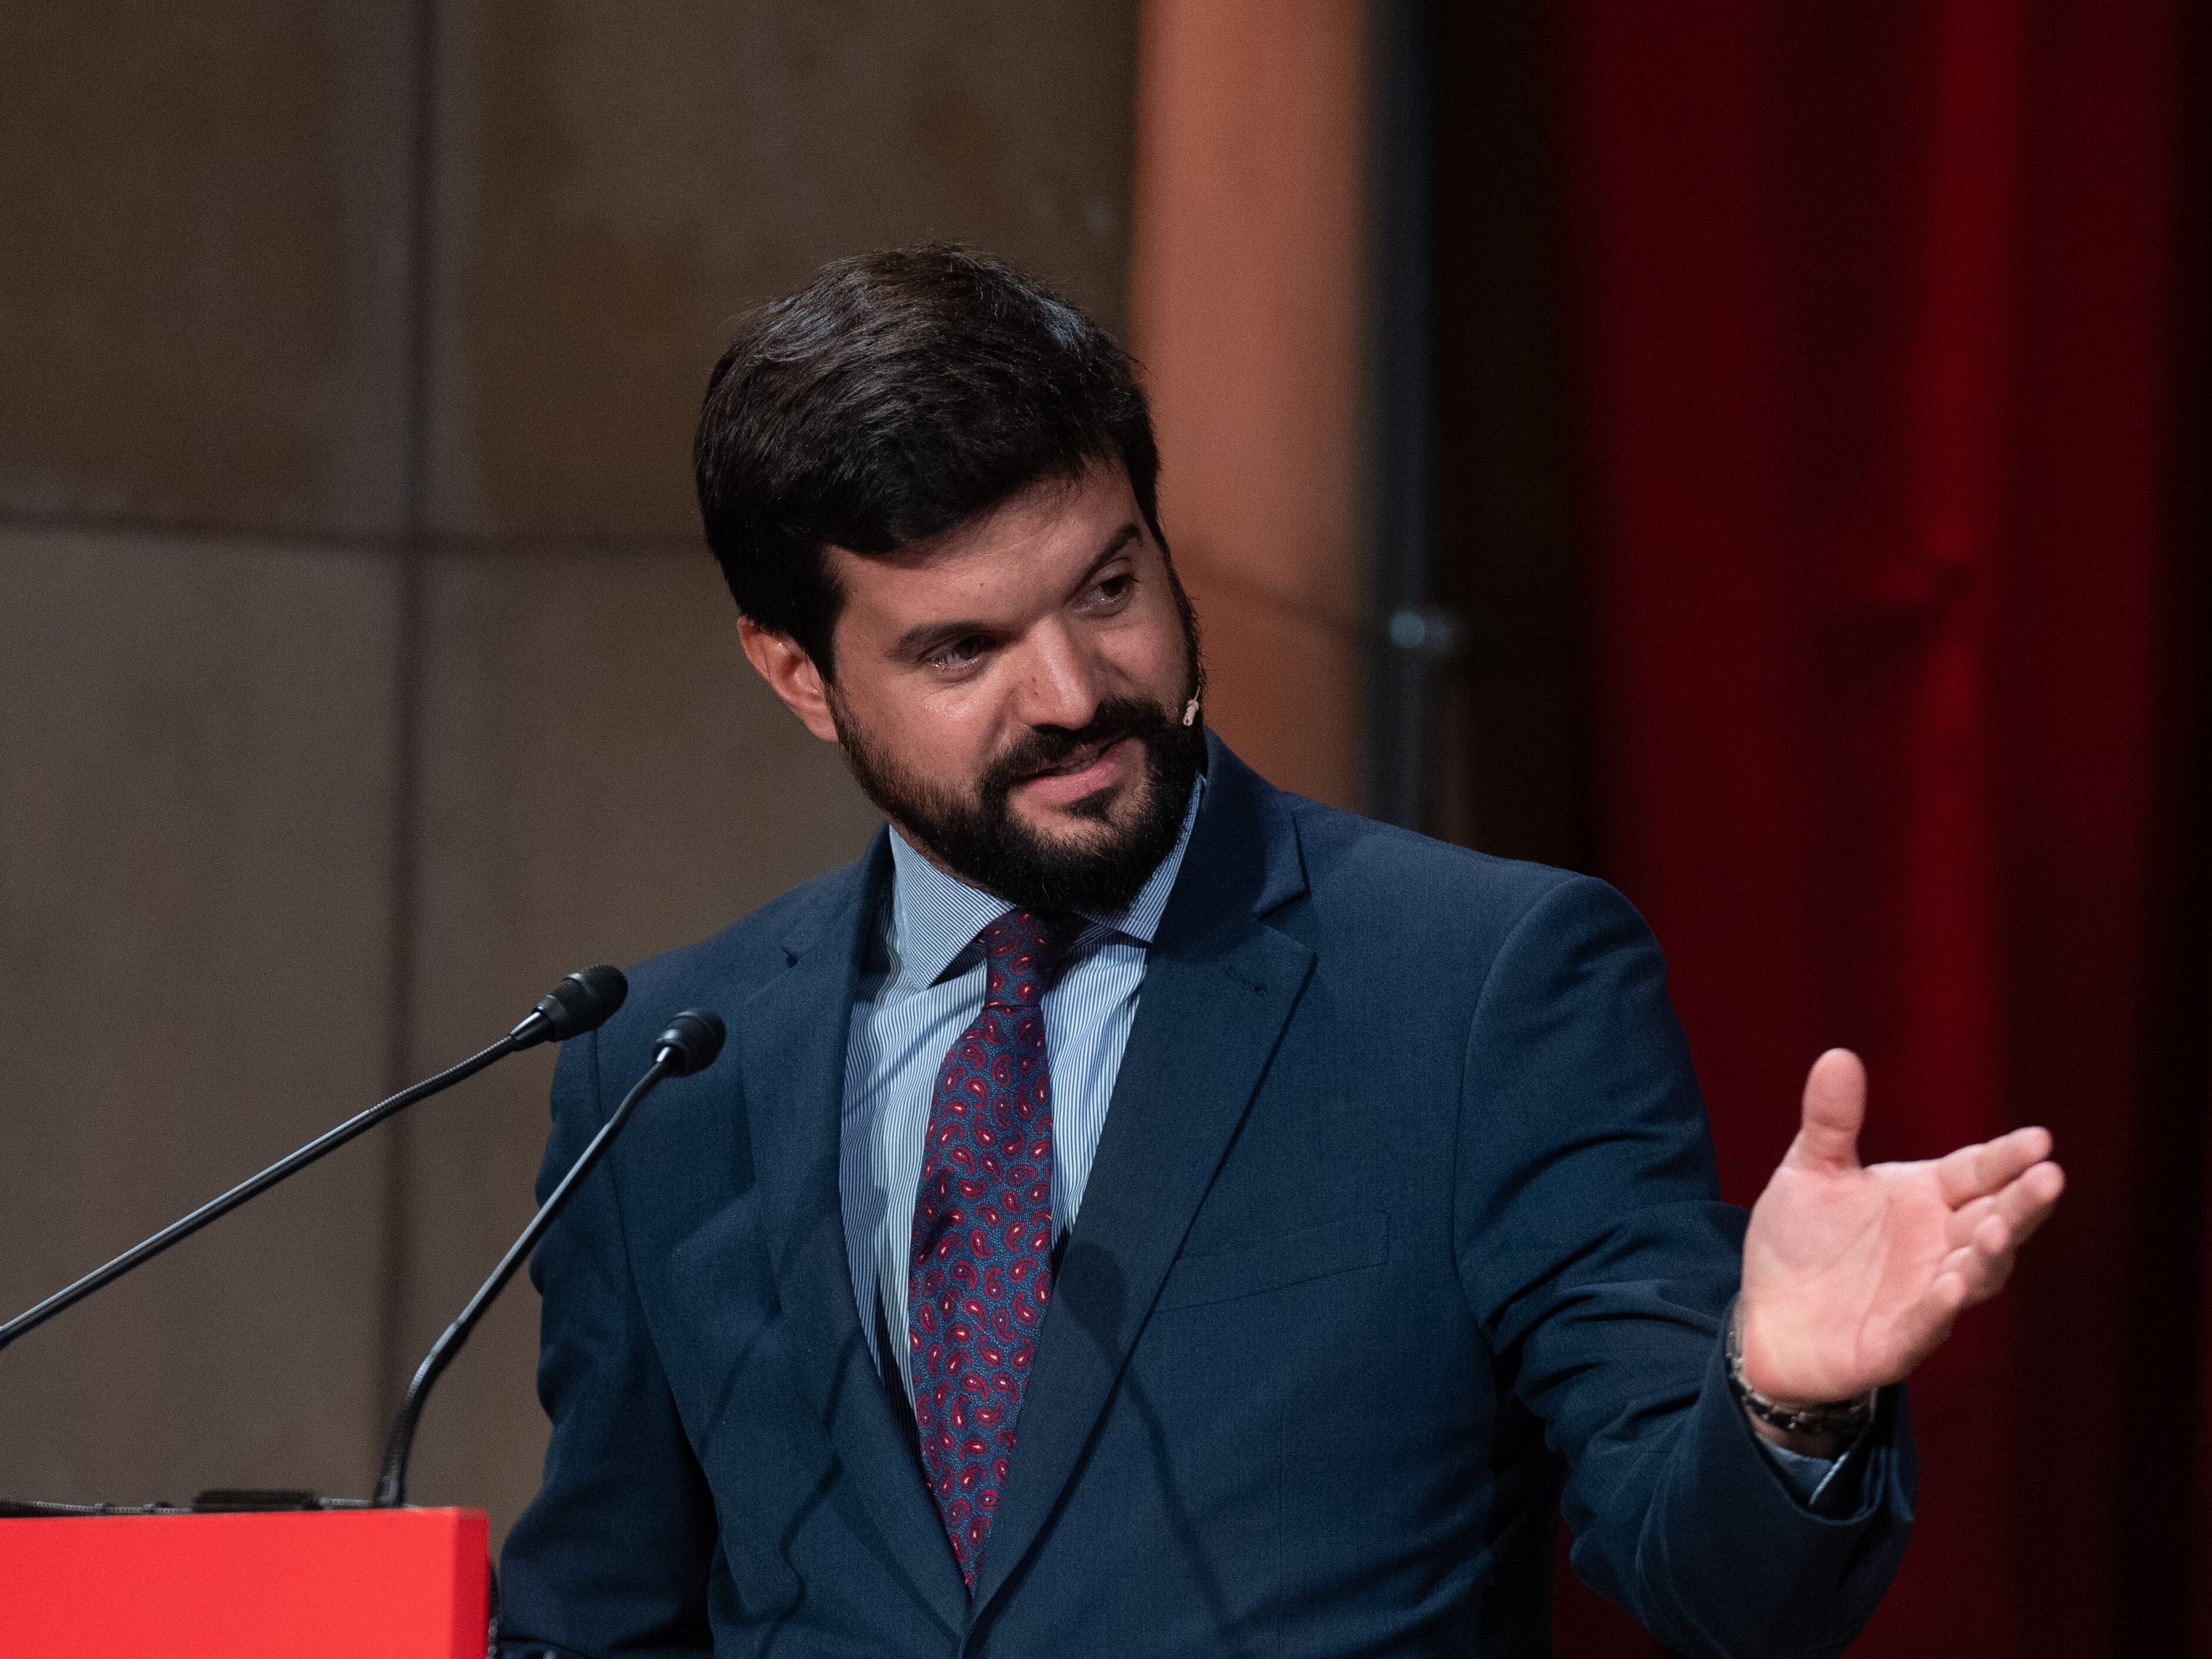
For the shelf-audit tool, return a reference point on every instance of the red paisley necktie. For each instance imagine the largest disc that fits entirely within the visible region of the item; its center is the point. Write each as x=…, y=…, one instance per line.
x=980, y=1274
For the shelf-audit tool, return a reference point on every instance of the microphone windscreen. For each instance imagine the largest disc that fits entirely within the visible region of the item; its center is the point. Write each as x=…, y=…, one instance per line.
x=689, y=1044
x=583, y=1002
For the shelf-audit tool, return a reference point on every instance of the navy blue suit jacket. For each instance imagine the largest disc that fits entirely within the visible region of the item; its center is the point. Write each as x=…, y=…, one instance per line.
x=1403, y=1234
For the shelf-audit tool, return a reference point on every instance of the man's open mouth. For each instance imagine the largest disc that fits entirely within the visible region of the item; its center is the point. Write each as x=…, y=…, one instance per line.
x=1079, y=760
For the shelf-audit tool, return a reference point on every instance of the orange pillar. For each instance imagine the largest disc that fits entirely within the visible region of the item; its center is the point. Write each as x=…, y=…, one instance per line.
x=1246, y=297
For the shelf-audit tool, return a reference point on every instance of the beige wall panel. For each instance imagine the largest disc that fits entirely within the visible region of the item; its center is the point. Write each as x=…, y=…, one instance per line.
x=1245, y=294
x=604, y=778
x=1246, y=286
x=619, y=183
x=204, y=277
x=1284, y=686
x=196, y=760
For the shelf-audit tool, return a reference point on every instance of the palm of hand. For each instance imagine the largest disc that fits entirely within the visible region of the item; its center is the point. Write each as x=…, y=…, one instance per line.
x=1852, y=1275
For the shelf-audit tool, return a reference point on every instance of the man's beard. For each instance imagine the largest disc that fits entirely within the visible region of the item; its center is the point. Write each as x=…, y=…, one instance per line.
x=983, y=842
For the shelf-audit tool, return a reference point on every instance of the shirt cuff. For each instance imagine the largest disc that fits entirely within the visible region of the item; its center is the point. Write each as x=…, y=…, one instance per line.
x=1827, y=1487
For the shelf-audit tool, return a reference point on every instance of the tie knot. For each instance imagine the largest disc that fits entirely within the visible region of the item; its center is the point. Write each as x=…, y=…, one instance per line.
x=1021, y=949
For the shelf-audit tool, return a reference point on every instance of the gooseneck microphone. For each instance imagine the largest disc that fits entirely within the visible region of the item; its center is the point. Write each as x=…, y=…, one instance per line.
x=575, y=1005
x=689, y=1044
x=582, y=1002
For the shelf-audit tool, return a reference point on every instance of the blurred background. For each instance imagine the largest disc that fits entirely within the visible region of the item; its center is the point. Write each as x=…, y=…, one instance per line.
x=1754, y=452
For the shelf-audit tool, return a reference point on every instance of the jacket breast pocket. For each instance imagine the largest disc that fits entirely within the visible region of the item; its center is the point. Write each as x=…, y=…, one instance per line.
x=1274, y=1264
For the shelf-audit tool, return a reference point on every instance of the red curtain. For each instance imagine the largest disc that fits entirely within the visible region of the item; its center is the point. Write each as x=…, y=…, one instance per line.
x=1882, y=331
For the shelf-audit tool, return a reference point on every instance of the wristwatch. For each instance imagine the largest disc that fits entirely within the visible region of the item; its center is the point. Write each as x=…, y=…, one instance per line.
x=1839, y=1417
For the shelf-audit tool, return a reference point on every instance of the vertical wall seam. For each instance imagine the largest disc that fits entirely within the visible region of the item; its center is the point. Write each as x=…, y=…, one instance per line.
x=1402, y=647
x=411, y=555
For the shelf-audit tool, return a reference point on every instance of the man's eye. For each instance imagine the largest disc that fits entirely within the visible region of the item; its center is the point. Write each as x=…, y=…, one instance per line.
x=960, y=652
x=1114, y=589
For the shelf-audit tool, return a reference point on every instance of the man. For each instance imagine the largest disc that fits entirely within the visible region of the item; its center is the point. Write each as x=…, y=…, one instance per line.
x=1146, y=1212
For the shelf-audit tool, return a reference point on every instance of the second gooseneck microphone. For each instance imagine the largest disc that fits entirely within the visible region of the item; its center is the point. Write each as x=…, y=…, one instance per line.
x=689, y=1044
x=575, y=1005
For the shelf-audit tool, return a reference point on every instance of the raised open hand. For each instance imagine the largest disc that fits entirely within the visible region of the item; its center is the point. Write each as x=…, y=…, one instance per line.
x=1852, y=1275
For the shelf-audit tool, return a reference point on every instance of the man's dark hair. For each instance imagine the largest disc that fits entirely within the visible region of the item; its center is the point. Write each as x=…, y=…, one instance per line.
x=894, y=396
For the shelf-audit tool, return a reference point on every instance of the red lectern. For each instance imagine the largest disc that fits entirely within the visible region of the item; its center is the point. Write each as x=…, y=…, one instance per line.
x=336, y=1585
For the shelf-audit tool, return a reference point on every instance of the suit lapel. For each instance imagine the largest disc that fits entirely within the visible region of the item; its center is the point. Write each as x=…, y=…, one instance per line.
x=792, y=1035
x=1219, y=986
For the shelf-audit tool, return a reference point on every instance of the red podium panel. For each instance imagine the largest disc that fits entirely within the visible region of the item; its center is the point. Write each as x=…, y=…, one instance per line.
x=335, y=1584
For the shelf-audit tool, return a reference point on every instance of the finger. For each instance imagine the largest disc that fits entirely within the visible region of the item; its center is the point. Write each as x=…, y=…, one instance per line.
x=1985, y=1258
x=1923, y=1326
x=1992, y=1240
x=1958, y=1230
x=1983, y=1265
x=1835, y=1106
x=1985, y=1168
x=2028, y=1201
x=1976, y=1171
x=2025, y=1204
x=1961, y=1282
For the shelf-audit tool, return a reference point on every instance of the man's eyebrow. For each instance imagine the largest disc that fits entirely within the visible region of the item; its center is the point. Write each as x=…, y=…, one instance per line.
x=916, y=640
x=1120, y=539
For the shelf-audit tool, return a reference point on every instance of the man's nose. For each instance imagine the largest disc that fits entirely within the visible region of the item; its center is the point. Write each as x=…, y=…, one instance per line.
x=1060, y=682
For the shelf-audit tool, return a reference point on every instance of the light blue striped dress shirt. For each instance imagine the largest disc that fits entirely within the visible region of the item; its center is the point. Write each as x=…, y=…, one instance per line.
x=923, y=987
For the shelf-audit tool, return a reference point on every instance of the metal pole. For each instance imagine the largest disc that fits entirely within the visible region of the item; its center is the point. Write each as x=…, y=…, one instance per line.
x=1413, y=633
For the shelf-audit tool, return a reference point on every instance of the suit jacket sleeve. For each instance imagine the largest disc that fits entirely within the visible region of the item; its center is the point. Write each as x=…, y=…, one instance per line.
x=1595, y=1252
x=613, y=1554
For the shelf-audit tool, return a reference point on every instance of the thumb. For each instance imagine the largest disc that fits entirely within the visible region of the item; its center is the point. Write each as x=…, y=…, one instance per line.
x=1835, y=1106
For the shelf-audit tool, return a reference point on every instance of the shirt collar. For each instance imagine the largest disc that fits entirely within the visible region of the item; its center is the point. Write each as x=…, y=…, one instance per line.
x=934, y=916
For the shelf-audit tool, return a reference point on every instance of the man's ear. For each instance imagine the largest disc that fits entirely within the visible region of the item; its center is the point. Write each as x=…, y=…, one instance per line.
x=791, y=674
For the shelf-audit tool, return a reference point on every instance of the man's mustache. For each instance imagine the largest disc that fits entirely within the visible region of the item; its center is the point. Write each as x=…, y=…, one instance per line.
x=1044, y=747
